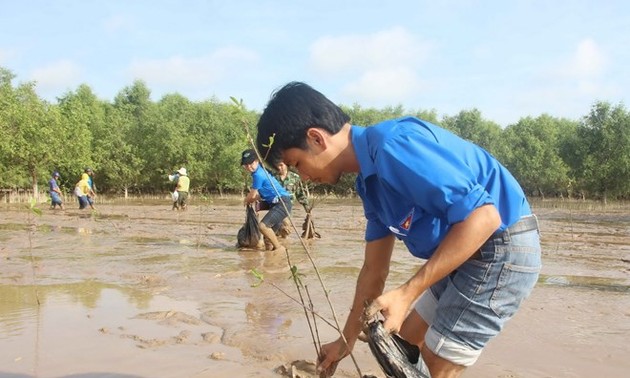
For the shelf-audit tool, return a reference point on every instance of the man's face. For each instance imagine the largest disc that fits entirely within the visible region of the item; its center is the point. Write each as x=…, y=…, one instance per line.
x=282, y=168
x=312, y=165
x=251, y=167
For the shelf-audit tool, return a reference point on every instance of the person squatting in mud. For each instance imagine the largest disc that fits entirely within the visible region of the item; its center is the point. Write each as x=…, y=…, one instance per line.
x=292, y=183
x=448, y=200
x=267, y=189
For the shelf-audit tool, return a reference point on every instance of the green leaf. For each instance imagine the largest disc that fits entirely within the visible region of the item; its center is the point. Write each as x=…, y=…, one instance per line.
x=258, y=276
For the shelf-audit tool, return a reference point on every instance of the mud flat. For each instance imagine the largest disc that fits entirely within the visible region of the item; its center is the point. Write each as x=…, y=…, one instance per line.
x=137, y=290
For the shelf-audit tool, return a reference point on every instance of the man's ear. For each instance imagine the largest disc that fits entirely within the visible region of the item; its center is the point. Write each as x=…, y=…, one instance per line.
x=316, y=138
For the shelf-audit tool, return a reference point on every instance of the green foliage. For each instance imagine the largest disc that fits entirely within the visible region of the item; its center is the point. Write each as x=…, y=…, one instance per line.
x=31, y=129
x=133, y=143
x=534, y=155
x=32, y=206
x=296, y=276
x=258, y=276
x=603, y=166
x=470, y=125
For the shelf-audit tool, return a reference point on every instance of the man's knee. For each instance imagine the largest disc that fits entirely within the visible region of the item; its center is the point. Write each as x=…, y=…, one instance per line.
x=439, y=367
x=285, y=228
x=414, y=328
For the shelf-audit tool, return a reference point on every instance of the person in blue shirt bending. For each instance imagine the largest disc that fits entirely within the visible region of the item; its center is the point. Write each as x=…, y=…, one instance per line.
x=450, y=202
x=267, y=189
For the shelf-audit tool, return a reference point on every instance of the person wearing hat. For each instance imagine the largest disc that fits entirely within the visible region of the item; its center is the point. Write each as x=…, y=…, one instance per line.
x=267, y=189
x=55, y=192
x=183, y=185
x=92, y=193
x=82, y=190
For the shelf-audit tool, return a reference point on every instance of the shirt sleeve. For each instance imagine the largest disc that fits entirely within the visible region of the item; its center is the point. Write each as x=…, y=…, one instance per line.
x=257, y=180
x=431, y=175
x=375, y=229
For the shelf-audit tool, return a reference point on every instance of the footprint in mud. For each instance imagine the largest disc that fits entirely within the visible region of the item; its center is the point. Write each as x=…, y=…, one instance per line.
x=175, y=319
x=145, y=343
x=169, y=317
x=297, y=368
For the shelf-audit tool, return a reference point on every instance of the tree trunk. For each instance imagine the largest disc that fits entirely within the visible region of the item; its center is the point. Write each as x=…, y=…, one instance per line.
x=35, y=187
x=126, y=192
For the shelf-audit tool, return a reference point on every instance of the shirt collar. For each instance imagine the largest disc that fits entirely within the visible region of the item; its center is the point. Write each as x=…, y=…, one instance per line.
x=362, y=152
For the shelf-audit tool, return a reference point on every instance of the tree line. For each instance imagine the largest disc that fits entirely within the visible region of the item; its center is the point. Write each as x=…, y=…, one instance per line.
x=132, y=143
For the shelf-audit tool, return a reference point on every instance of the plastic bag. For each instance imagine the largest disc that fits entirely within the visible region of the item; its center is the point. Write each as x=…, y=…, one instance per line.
x=397, y=357
x=175, y=196
x=249, y=235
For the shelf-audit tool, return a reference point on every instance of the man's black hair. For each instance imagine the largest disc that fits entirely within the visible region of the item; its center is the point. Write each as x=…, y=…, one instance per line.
x=291, y=111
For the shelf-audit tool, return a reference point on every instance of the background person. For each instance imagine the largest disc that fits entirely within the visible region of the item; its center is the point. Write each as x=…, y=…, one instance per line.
x=81, y=190
x=182, y=188
x=55, y=192
x=267, y=189
x=448, y=200
x=291, y=182
x=92, y=195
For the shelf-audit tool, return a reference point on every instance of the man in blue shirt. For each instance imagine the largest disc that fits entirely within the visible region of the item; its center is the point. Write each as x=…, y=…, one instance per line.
x=92, y=195
x=448, y=200
x=55, y=192
x=267, y=189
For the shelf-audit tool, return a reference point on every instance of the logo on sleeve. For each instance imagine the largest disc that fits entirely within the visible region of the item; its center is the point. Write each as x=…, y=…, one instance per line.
x=406, y=223
x=404, y=226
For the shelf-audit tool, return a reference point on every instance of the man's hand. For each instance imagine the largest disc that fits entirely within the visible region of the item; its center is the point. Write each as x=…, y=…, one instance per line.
x=393, y=305
x=329, y=357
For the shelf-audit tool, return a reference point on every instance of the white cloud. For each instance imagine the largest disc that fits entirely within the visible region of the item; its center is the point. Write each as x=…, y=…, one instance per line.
x=58, y=76
x=577, y=80
x=179, y=71
x=389, y=85
x=382, y=50
x=588, y=60
x=380, y=68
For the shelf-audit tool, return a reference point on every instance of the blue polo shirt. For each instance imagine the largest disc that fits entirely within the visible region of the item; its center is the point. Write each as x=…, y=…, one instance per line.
x=265, y=183
x=52, y=184
x=417, y=179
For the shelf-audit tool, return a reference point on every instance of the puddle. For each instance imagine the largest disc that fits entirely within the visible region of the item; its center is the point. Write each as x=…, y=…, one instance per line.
x=585, y=282
x=95, y=322
x=44, y=228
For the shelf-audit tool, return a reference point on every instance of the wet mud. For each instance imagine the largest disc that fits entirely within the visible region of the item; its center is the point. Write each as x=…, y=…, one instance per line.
x=137, y=290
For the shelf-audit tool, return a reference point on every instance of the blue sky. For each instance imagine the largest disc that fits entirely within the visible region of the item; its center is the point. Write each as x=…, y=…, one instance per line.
x=509, y=59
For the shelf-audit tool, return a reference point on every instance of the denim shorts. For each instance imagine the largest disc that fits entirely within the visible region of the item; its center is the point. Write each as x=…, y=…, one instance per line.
x=55, y=199
x=83, y=202
x=471, y=305
x=273, y=219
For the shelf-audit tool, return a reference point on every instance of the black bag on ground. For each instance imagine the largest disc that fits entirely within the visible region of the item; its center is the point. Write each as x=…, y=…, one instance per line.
x=396, y=356
x=249, y=235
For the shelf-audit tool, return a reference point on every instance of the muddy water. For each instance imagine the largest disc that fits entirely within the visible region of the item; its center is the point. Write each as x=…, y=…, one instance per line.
x=136, y=290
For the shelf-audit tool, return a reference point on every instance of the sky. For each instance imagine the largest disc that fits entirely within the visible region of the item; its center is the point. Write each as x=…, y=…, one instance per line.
x=509, y=59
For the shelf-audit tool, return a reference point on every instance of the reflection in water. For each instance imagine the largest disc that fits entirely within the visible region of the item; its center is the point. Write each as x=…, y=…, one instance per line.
x=18, y=306
x=596, y=283
x=44, y=228
x=78, y=322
